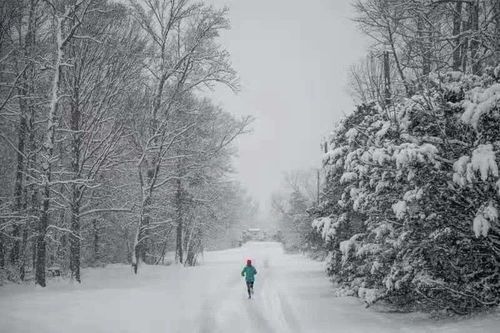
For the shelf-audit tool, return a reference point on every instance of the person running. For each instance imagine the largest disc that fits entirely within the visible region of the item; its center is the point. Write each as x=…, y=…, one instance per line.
x=249, y=273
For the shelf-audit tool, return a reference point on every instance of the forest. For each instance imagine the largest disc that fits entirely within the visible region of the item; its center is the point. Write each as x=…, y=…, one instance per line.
x=111, y=148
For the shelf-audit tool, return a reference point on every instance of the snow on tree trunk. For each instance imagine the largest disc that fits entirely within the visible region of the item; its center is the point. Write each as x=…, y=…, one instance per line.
x=24, y=91
x=75, y=186
x=95, y=241
x=179, y=255
x=48, y=155
x=141, y=238
x=74, y=237
x=496, y=11
x=424, y=43
x=139, y=246
x=457, y=25
x=135, y=252
x=31, y=196
x=474, y=42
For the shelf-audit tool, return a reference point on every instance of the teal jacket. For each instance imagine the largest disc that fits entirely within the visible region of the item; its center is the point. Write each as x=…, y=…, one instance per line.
x=249, y=273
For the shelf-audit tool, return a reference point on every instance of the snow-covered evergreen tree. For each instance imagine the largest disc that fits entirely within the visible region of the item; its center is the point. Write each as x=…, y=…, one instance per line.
x=410, y=207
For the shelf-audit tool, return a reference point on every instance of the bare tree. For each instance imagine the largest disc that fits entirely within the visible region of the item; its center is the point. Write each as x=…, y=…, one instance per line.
x=105, y=65
x=184, y=57
x=424, y=36
x=366, y=80
x=102, y=113
x=67, y=19
x=199, y=157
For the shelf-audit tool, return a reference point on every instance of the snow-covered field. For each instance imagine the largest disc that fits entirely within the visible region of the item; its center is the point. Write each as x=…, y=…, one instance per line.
x=292, y=294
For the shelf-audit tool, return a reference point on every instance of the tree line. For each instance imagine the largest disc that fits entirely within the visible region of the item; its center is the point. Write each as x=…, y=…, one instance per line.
x=413, y=38
x=290, y=208
x=112, y=150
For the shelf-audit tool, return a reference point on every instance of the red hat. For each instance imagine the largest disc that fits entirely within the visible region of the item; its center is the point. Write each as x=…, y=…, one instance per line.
x=249, y=262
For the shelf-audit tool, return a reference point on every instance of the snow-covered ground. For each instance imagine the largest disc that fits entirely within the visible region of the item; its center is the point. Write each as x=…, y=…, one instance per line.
x=292, y=294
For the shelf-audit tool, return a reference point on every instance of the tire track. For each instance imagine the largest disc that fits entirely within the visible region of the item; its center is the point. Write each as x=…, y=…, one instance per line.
x=285, y=319
x=215, y=301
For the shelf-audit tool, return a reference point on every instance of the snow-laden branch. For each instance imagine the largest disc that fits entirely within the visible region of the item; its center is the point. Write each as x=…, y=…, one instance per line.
x=64, y=230
x=105, y=210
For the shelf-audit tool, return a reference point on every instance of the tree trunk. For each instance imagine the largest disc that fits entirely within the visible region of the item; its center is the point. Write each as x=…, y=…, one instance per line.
x=496, y=10
x=387, y=80
x=19, y=182
x=140, y=246
x=398, y=65
x=193, y=244
x=24, y=94
x=24, y=243
x=189, y=240
x=2, y=251
x=28, y=90
x=424, y=41
x=474, y=43
x=190, y=256
x=144, y=230
x=95, y=241
x=42, y=230
x=178, y=206
x=465, y=44
x=163, y=251
x=74, y=237
x=34, y=254
x=33, y=193
x=48, y=152
x=457, y=24
x=76, y=189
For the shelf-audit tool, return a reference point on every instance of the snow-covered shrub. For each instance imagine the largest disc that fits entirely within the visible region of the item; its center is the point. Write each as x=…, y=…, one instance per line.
x=417, y=188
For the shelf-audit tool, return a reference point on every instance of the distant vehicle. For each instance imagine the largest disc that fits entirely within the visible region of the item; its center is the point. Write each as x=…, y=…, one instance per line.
x=254, y=234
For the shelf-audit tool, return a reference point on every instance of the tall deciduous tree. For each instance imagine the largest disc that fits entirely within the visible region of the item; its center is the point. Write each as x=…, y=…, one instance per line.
x=184, y=57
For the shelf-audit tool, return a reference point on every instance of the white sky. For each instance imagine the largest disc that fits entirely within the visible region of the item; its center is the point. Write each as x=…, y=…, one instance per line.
x=293, y=58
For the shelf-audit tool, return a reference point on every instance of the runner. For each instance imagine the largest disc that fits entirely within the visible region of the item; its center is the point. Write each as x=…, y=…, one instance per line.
x=249, y=273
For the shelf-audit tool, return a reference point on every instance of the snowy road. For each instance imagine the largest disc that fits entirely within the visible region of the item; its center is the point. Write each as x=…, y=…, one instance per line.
x=291, y=295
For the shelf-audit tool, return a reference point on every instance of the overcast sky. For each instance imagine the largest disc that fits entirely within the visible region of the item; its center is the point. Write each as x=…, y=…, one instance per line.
x=293, y=57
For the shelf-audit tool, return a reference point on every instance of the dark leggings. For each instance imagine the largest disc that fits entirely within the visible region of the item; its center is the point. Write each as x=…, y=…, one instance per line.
x=249, y=286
